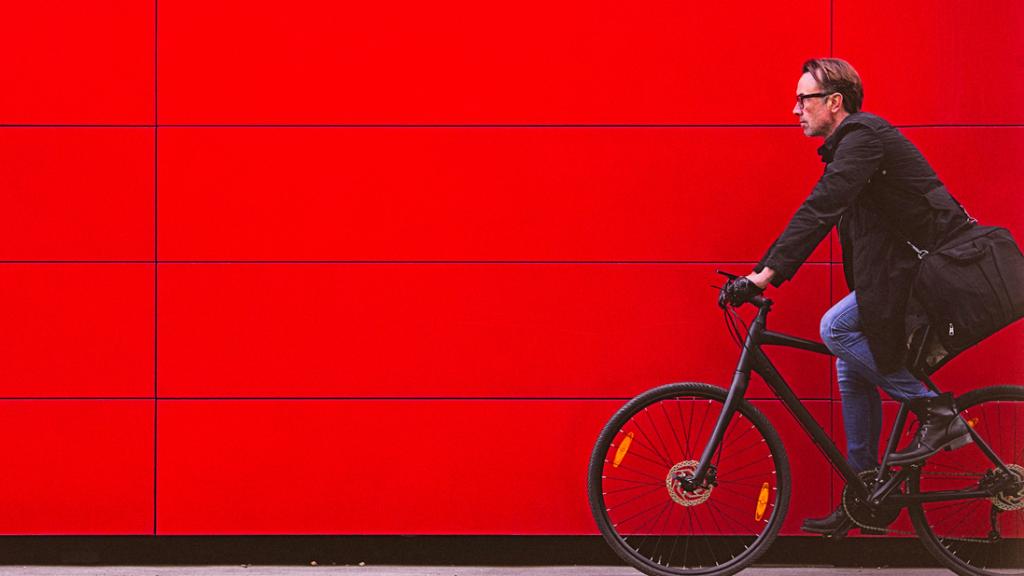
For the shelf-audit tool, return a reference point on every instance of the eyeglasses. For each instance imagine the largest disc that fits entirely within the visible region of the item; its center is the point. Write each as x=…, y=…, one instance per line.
x=801, y=97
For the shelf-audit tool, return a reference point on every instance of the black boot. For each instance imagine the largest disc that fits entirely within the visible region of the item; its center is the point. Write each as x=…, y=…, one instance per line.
x=836, y=524
x=941, y=427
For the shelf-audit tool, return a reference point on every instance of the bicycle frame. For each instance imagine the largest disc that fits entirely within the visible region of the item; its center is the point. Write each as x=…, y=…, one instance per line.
x=752, y=358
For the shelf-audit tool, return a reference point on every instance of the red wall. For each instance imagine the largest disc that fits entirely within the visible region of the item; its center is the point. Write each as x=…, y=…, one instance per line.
x=386, y=268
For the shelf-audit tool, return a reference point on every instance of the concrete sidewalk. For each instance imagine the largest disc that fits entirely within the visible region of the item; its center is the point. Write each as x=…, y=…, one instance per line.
x=430, y=571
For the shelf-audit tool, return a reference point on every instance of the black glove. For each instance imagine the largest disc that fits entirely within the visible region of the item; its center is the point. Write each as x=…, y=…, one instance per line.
x=738, y=291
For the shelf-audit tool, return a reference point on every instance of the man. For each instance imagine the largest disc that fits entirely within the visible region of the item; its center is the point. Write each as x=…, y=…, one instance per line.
x=882, y=195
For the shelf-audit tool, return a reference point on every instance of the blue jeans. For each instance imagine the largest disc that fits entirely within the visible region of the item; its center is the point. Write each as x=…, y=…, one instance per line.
x=859, y=381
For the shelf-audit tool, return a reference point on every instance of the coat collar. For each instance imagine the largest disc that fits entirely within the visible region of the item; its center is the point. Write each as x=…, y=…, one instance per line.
x=828, y=149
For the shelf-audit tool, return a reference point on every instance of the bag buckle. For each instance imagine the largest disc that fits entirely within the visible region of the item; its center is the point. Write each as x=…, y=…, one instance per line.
x=920, y=253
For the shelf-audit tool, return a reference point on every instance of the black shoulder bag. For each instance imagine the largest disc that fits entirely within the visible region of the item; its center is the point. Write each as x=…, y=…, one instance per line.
x=965, y=290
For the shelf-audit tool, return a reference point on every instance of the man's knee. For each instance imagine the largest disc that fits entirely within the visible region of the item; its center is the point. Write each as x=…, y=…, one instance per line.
x=830, y=329
x=838, y=323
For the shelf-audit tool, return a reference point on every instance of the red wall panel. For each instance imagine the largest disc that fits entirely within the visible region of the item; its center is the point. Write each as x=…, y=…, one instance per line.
x=76, y=194
x=481, y=194
x=76, y=467
x=376, y=467
x=425, y=330
x=926, y=62
x=456, y=61
x=76, y=330
x=77, y=62
x=393, y=467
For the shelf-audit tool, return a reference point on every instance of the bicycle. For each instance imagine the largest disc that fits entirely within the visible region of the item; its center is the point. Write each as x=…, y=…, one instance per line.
x=692, y=479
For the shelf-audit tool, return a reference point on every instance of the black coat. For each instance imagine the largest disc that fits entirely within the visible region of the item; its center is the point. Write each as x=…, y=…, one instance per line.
x=881, y=193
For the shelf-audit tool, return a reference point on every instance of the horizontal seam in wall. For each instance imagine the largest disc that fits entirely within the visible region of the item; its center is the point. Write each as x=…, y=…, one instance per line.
x=477, y=126
x=366, y=398
x=385, y=262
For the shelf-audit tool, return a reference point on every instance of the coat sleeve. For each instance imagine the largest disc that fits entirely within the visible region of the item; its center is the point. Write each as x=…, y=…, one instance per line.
x=856, y=158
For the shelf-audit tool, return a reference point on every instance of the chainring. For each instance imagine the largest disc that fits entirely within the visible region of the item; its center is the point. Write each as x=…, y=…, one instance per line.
x=864, y=516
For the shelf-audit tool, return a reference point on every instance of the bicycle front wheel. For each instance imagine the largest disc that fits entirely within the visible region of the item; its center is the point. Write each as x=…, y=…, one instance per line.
x=654, y=523
x=981, y=536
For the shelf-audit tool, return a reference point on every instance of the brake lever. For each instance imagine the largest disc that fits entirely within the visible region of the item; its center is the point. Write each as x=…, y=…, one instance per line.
x=727, y=275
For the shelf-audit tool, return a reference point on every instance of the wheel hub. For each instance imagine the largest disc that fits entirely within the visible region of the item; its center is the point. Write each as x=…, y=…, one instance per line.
x=679, y=494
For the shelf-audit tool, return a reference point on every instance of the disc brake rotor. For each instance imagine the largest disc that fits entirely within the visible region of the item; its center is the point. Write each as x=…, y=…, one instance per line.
x=1007, y=502
x=676, y=491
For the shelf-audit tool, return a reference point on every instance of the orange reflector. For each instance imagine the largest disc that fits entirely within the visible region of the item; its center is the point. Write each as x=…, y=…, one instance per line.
x=623, y=448
x=972, y=422
x=762, y=502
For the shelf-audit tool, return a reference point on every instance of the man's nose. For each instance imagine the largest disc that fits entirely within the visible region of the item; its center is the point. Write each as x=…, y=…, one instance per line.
x=797, y=110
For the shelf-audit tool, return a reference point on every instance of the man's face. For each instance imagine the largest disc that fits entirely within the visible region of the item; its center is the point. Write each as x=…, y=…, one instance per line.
x=814, y=115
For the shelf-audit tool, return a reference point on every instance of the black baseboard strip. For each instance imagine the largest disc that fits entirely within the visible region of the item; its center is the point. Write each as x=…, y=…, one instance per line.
x=414, y=550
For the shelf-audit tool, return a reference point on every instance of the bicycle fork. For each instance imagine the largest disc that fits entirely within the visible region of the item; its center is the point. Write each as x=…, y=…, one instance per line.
x=737, y=390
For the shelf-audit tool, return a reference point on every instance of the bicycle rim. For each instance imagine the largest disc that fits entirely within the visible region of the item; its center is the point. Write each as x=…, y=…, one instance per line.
x=983, y=536
x=657, y=526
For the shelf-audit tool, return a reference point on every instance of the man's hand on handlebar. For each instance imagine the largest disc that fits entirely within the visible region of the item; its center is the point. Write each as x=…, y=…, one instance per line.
x=737, y=291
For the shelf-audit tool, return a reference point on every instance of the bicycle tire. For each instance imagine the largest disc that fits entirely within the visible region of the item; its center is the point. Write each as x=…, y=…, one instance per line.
x=711, y=521
x=959, y=533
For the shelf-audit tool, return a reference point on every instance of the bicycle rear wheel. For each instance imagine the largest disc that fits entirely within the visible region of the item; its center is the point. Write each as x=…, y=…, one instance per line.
x=983, y=536
x=650, y=520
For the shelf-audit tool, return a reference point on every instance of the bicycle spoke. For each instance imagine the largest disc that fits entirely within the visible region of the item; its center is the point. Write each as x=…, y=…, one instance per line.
x=653, y=523
x=712, y=550
x=644, y=511
x=654, y=425
x=742, y=528
x=686, y=438
x=733, y=454
x=704, y=419
x=686, y=548
x=758, y=475
x=642, y=457
x=637, y=487
x=956, y=512
x=668, y=420
x=665, y=459
x=637, y=497
x=658, y=483
x=639, y=473
x=661, y=533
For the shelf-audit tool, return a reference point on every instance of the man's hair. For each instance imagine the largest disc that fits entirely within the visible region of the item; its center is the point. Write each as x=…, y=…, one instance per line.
x=835, y=75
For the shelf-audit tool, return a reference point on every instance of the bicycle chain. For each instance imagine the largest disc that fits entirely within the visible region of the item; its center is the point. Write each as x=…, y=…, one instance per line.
x=887, y=531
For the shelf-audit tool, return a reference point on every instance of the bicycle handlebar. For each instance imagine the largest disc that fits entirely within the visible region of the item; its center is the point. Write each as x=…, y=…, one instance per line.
x=756, y=299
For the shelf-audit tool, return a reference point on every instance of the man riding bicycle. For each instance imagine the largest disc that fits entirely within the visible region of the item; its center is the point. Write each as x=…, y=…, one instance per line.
x=882, y=195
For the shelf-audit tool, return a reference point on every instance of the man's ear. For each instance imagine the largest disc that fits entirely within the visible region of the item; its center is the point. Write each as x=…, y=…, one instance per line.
x=836, y=105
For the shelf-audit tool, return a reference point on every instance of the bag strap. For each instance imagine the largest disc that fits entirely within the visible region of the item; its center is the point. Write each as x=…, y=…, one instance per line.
x=921, y=252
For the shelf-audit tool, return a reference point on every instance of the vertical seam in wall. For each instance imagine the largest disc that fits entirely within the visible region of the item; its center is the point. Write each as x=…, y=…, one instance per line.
x=831, y=27
x=832, y=288
x=156, y=253
x=831, y=381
